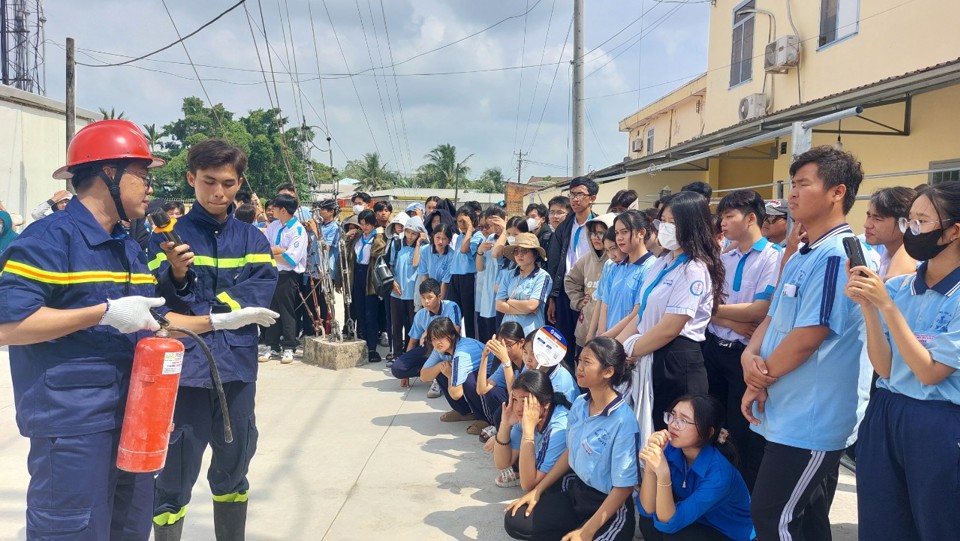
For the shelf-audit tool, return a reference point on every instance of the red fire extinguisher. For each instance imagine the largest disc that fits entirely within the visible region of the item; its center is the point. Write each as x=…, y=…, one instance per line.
x=148, y=419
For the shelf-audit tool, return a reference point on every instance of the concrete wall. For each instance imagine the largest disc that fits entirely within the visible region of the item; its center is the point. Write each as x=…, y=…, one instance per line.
x=892, y=38
x=32, y=146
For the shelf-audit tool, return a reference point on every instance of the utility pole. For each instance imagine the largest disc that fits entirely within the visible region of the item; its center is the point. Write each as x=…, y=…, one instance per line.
x=456, y=173
x=519, y=165
x=3, y=43
x=578, y=114
x=71, y=102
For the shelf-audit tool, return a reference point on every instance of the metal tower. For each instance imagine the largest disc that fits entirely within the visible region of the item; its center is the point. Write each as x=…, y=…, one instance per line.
x=22, y=45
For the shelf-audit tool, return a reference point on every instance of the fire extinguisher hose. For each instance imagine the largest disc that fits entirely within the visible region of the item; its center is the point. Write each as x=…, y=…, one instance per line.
x=217, y=384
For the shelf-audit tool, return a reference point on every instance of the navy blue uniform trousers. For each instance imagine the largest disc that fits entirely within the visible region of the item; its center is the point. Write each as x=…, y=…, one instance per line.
x=198, y=421
x=76, y=491
x=908, y=469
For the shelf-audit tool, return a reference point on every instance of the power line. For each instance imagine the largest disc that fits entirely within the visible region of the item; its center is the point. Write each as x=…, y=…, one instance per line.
x=523, y=50
x=396, y=85
x=595, y=136
x=376, y=81
x=213, y=109
x=165, y=47
x=536, y=86
x=533, y=140
x=408, y=164
x=650, y=29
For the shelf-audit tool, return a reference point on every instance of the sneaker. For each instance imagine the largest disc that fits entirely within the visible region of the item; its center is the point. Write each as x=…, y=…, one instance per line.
x=507, y=478
x=384, y=340
x=273, y=355
x=287, y=356
x=263, y=353
x=487, y=433
x=434, y=391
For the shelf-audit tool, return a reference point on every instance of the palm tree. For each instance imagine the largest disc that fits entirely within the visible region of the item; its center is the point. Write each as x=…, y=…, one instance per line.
x=442, y=168
x=111, y=114
x=490, y=181
x=373, y=174
x=153, y=134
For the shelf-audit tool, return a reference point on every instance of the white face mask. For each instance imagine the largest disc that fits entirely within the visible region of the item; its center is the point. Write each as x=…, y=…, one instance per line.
x=667, y=235
x=357, y=209
x=511, y=239
x=533, y=224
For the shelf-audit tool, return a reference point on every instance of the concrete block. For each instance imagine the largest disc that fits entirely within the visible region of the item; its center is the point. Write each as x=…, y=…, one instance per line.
x=334, y=355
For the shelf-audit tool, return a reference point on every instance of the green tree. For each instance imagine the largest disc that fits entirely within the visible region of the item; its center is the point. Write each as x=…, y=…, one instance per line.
x=442, y=168
x=490, y=181
x=153, y=135
x=371, y=172
x=111, y=114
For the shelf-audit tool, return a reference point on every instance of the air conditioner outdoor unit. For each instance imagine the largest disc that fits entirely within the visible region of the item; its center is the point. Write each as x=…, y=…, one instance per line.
x=782, y=54
x=752, y=106
x=637, y=145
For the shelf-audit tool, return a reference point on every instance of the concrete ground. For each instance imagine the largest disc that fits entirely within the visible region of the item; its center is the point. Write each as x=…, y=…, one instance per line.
x=347, y=455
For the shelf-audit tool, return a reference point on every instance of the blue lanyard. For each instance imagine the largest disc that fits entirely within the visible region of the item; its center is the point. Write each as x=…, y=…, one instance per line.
x=576, y=236
x=643, y=303
x=738, y=275
x=363, y=244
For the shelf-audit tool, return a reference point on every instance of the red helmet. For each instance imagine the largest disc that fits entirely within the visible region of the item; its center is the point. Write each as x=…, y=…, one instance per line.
x=107, y=140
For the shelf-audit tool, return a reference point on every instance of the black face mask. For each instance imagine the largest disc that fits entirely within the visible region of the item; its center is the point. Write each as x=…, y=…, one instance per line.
x=923, y=247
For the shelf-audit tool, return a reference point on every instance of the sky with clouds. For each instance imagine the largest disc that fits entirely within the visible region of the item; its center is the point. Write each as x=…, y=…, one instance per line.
x=503, y=90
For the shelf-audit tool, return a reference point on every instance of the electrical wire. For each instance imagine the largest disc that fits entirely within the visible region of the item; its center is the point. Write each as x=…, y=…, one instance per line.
x=536, y=86
x=523, y=50
x=376, y=82
x=165, y=47
x=408, y=164
x=536, y=131
x=650, y=29
x=396, y=84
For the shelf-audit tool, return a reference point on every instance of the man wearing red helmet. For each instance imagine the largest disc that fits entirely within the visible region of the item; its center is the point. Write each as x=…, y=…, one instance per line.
x=77, y=295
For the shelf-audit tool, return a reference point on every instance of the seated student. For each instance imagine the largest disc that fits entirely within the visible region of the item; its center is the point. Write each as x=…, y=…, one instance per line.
x=454, y=358
x=691, y=489
x=409, y=364
x=534, y=413
x=507, y=348
x=597, y=472
x=907, y=455
x=524, y=297
x=561, y=376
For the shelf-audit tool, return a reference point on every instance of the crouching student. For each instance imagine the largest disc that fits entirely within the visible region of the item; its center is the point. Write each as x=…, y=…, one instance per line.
x=691, y=489
x=532, y=433
x=507, y=348
x=409, y=364
x=454, y=358
x=585, y=495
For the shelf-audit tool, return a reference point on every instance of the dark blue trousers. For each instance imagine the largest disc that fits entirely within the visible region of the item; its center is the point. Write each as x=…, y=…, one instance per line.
x=77, y=493
x=567, y=324
x=198, y=422
x=409, y=364
x=461, y=405
x=366, y=308
x=908, y=469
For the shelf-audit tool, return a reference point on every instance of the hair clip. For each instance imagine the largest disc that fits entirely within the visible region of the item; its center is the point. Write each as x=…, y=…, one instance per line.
x=722, y=438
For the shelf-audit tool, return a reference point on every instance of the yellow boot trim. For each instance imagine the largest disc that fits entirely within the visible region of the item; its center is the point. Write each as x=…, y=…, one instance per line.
x=166, y=519
x=234, y=497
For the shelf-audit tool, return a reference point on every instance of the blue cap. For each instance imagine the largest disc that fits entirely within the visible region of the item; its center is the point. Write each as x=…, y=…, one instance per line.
x=414, y=206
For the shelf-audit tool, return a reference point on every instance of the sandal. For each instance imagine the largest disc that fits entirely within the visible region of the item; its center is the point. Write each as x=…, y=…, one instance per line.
x=454, y=416
x=476, y=427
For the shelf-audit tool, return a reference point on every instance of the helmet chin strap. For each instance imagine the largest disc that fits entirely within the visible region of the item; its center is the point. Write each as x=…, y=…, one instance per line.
x=114, y=186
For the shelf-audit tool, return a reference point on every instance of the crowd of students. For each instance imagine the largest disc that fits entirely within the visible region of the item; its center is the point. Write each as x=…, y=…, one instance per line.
x=719, y=359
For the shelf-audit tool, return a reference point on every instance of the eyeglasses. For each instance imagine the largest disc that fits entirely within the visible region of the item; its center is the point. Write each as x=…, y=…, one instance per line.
x=915, y=225
x=598, y=234
x=676, y=420
x=510, y=343
x=145, y=177
x=577, y=196
x=773, y=219
x=558, y=213
x=521, y=251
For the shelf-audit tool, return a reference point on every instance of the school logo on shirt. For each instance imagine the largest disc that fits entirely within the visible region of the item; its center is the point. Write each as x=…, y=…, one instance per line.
x=595, y=442
x=696, y=288
x=942, y=321
x=924, y=339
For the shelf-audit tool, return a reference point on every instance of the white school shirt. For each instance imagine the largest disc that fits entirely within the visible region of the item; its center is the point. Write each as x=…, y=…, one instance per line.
x=579, y=242
x=675, y=285
x=748, y=277
x=292, y=237
x=363, y=247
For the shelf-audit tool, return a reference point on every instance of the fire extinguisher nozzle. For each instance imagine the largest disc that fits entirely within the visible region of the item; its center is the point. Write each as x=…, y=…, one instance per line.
x=217, y=384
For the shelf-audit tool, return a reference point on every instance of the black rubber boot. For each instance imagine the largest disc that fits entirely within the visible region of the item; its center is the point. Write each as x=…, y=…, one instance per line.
x=170, y=532
x=230, y=520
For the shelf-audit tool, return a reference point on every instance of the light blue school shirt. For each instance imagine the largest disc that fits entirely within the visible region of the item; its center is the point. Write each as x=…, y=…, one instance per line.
x=535, y=285
x=818, y=405
x=624, y=292
x=434, y=265
x=747, y=277
x=933, y=314
x=504, y=275
x=564, y=382
x=549, y=444
x=423, y=317
x=604, y=447
x=404, y=274
x=465, y=359
x=485, y=290
x=331, y=235
x=465, y=263
x=498, y=378
x=710, y=492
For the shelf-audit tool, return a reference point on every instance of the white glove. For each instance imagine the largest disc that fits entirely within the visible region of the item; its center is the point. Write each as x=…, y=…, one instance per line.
x=241, y=318
x=131, y=314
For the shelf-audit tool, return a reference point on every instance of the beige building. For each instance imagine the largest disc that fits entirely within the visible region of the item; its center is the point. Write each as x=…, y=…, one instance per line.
x=34, y=144
x=775, y=62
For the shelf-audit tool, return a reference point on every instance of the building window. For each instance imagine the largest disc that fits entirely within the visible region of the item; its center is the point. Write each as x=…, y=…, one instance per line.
x=741, y=52
x=951, y=173
x=838, y=19
x=650, y=141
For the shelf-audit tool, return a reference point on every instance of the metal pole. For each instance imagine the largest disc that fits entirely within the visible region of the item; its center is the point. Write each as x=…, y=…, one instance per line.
x=456, y=191
x=578, y=112
x=71, y=102
x=3, y=43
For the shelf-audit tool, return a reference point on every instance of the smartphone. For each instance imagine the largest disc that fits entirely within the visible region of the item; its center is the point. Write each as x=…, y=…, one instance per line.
x=851, y=245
